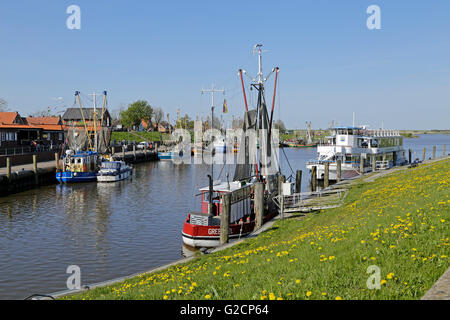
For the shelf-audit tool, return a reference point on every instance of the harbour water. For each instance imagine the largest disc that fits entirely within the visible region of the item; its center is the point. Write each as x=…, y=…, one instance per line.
x=113, y=230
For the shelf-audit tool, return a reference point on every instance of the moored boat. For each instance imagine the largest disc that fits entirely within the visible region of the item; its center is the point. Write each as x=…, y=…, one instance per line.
x=112, y=171
x=202, y=229
x=166, y=155
x=381, y=149
x=79, y=167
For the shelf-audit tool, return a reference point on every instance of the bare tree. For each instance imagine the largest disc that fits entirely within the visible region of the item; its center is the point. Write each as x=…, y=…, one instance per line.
x=158, y=115
x=3, y=105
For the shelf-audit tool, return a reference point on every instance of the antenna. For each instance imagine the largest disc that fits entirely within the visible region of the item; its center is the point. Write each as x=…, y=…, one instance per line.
x=212, y=91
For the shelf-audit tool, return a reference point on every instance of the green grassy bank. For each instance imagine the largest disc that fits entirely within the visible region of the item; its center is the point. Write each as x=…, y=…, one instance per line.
x=139, y=136
x=399, y=222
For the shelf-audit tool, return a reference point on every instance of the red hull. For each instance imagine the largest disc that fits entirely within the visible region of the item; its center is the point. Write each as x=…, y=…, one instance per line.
x=209, y=236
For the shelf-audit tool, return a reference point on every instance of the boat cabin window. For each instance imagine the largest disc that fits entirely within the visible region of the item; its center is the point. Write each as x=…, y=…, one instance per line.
x=78, y=160
x=110, y=165
x=374, y=143
x=206, y=196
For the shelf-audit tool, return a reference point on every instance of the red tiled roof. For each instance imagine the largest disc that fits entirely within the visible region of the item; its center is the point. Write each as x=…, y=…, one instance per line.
x=17, y=126
x=44, y=120
x=46, y=123
x=8, y=117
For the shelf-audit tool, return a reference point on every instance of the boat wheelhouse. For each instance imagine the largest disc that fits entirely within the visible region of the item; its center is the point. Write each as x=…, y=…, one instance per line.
x=79, y=167
x=112, y=171
x=202, y=229
x=380, y=148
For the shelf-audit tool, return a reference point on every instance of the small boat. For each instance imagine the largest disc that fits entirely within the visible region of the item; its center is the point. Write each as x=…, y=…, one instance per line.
x=220, y=146
x=166, y=155
x=79, y=167
x=112, y=171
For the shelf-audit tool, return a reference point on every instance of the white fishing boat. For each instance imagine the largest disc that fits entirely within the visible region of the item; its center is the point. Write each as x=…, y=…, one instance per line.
x=112, y=171
x=351, y=145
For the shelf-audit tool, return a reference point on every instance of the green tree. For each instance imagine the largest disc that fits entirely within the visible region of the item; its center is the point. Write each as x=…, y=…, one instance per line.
x=136, y=112
x=280, y=126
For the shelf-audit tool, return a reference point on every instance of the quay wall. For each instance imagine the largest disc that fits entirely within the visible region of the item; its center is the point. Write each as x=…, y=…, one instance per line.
x=25, y=179
x=22, y=159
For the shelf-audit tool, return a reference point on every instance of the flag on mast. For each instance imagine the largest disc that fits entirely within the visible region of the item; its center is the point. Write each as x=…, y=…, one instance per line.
x=225, y=107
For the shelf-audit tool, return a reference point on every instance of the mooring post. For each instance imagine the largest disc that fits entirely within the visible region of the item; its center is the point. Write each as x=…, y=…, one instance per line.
x=374, y=163
x=134, y=151
x=326, y=179
x=113, y=151
x=361, y=166
x=443, y=152
x=8, y=168
x=225, y=218
x=298, y=181
x=123, y=153
x=36, y=178
x=410, y=156
x=424, y=153
x=259, y=204
x=57, y=161
x=339, y=170
x=434, y=152
x=313, y=178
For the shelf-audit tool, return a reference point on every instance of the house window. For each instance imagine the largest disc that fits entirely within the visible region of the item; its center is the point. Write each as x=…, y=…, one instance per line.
x=60, y=136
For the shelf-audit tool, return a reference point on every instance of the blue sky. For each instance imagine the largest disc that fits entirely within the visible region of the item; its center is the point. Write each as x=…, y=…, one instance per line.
x=166, y=51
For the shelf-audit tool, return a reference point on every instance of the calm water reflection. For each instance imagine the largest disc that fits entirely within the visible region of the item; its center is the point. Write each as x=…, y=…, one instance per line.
x=111, y=230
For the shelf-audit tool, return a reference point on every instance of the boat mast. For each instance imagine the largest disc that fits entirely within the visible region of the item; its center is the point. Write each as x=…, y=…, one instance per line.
x=94, y=96
x=77, y=94
x=211, y=177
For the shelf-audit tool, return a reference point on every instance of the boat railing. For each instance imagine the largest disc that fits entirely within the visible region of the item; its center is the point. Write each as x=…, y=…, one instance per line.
x=382, y=133
x=308, y=201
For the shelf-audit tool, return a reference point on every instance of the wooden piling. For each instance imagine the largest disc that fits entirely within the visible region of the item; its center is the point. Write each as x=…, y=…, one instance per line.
x=424, y=154
x=339, y=170
x=313, y=178
x=361, y=166
x=8, y=168
x=298, y=181
x=57, y=162
x=326, y=178
x=225, y=218
x=259, y=204
x=409, y=156
x=134, y=152
x=374, y=163
x=36, y=178
x=123, y=153
x=434, y=152
x=113, y=151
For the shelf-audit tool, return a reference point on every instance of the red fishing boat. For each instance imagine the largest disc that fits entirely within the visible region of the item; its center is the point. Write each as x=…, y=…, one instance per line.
x=202, y=229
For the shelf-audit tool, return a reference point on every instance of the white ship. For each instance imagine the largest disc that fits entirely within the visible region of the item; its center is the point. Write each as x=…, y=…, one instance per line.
x=351, y=144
